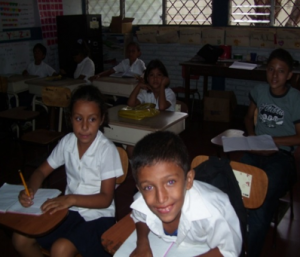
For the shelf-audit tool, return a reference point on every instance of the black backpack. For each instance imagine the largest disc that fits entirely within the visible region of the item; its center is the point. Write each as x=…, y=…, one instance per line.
x=210, y=53
x=218, y=172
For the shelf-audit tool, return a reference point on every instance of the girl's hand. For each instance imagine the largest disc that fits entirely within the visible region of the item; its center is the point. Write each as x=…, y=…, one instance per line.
x=58, y=203
x=142, y=85
x=24, y=199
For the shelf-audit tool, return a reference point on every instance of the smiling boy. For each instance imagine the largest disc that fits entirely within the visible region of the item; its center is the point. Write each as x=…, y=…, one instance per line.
x=278, y=111
x=174, y=206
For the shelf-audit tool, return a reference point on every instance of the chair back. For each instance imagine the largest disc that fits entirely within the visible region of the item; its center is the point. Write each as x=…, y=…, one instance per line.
x=124, y=161
x=255, y=116
x=259, y=183
x=56, y=96
x=181, y=107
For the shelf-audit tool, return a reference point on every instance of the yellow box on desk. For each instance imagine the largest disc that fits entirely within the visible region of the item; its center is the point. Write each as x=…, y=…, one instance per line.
x=119, y=25
x=219, y=105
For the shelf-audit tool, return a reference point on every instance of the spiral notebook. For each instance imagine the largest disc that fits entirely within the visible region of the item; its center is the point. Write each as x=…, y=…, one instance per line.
x=9, y=201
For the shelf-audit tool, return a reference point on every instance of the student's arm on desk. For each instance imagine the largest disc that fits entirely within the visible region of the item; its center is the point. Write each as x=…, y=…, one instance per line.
x=102, y=74
x=289, y=140
x=143, y=246
x=163, y=103
x=95, y=201
x=132, y=100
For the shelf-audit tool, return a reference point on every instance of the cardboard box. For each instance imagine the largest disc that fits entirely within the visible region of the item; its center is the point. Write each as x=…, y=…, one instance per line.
x=119, y=25
x=219, y=105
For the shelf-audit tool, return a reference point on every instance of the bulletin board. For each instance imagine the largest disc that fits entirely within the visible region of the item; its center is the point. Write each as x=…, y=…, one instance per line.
x=23, y=23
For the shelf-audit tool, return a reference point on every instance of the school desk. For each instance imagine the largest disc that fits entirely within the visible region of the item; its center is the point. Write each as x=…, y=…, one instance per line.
x=36, y=85
x=30, y=224
x=221, y=69
x=115, y=86
x=16, y=84
x=129, y=131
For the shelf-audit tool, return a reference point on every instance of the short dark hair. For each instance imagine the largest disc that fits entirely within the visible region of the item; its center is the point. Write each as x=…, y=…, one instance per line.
x=161, y=146
x=92, y=94
x=41, y=47
x=283, y=56
x=133, y=43
x=155, y=64
x=80, y=47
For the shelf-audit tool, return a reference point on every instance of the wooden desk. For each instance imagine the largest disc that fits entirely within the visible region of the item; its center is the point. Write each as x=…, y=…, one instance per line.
x=129, y=131
x=30, y=224
x=16, y=84
x=114, y=237
x=35, y=86
x=221, y=69
x=115, y=86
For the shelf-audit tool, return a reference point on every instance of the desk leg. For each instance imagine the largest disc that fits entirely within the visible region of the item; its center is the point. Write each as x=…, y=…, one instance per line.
x=187, y=87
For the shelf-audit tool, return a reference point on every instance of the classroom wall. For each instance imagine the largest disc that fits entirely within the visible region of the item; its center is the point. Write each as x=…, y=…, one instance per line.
x=16, y=53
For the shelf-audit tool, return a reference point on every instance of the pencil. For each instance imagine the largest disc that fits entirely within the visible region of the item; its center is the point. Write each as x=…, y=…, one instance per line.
x=24, y=183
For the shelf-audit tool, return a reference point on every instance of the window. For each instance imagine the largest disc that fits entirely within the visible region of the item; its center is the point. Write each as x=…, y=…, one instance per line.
x=155, y=12
x=277, y=13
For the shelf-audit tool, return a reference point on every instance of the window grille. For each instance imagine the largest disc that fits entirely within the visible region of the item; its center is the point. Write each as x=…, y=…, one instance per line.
x=276, y=13
x=155, y=12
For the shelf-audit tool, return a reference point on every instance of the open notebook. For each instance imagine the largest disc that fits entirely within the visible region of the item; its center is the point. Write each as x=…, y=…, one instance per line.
x=161, y=248
x=9, y=201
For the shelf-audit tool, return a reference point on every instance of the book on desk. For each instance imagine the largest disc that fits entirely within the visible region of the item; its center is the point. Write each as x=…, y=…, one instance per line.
x=9, y=201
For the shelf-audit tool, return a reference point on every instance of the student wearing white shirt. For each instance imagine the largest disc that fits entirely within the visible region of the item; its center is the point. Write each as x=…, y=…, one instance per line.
x=92, y=164
x=176, y=208
x=38, y=67
x=131, y=65
x=85, y=66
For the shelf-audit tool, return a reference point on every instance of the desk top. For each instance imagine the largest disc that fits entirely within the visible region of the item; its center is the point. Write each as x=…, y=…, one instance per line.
x=18, y=77
x=159, y=122
x=58, y=82
x=31, y=224
x=114, y=80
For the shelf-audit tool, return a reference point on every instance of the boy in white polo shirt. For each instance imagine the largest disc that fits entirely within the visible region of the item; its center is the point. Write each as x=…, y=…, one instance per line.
x=175, y=207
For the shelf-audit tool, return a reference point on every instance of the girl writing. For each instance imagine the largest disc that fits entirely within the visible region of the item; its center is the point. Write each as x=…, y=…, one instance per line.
x=92, y=164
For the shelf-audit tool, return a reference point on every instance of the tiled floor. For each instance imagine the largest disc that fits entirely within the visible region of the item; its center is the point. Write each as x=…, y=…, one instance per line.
x=197, y=138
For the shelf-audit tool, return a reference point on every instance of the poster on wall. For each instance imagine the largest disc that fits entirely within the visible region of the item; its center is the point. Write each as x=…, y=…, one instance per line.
x=237, y=37
x=213, y=36
x=288, y=38
x=17, y=14
x=48, y=10
x=14, y=57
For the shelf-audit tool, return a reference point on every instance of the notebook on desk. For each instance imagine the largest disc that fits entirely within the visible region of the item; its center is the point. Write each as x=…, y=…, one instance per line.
x=9, y=201
x=161, y=248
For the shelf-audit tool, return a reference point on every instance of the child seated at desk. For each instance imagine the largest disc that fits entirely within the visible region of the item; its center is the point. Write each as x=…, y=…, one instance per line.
x=154, y=88
x=278, y=115
x=132, y=64
x=92, y=164
x=175, y=207
x=39, y=67
x=85, y=66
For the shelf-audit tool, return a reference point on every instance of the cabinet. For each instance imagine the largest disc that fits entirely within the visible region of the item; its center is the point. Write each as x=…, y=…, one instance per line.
x=70, y=28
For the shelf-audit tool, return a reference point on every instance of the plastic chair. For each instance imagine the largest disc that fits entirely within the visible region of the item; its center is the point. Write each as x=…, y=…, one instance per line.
x=193, y=91
x=259, y=185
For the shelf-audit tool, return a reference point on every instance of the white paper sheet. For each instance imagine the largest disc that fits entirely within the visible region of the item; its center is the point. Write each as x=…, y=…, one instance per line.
x=9, y=201
x=160, y=248
x=262, y=142
x=243, y=65
x=244, y=181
